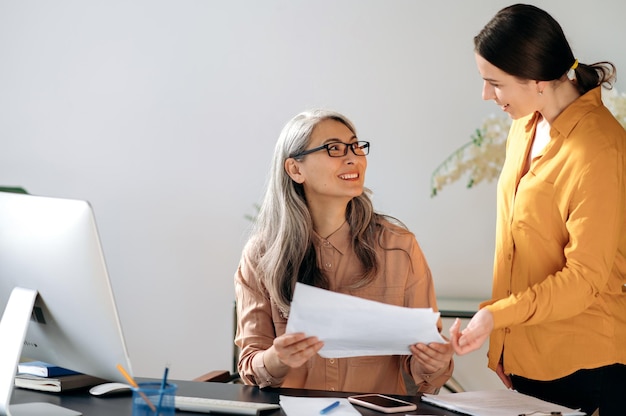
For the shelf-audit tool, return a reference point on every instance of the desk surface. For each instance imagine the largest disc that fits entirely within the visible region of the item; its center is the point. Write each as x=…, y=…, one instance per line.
x=121, y=405
x=457, y=308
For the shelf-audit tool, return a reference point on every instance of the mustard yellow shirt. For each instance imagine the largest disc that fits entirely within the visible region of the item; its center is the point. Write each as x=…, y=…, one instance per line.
x=404, y=279
x=560, y=256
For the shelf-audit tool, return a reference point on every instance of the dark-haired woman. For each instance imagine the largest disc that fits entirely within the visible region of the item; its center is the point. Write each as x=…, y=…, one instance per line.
x=316, y=225
x=557, y=317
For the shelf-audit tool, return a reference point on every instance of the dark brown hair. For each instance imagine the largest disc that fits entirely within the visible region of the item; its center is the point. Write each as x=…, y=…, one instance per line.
x=526, y=42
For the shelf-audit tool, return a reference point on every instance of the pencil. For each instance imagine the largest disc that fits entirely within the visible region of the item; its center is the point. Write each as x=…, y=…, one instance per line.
x=134, y=384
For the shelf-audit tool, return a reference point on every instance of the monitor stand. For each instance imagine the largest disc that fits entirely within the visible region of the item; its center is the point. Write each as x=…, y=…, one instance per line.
x=13, y=326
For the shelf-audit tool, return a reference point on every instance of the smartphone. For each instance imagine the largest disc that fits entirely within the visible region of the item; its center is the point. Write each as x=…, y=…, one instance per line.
x=382, y=403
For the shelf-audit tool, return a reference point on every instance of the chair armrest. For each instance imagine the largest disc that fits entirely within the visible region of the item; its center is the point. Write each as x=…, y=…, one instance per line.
x=217, y=376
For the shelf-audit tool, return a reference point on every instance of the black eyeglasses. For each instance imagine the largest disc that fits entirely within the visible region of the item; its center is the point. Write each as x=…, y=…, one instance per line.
x=338, y=149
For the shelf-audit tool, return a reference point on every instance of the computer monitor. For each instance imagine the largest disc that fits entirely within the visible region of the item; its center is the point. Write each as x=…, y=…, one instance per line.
x=63, y=311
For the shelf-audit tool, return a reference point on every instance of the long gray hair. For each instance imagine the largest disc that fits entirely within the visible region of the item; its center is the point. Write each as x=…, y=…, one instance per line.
x=281, y=243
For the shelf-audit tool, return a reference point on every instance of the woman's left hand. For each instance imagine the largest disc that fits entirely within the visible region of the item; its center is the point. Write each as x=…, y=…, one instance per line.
x=432, y=357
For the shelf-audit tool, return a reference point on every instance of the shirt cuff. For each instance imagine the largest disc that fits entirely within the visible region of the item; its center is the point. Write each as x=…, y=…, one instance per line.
x=263, y=377
x=432, y=382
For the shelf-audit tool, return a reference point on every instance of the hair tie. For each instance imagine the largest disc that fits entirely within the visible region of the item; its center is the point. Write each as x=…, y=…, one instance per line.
x=571, y=73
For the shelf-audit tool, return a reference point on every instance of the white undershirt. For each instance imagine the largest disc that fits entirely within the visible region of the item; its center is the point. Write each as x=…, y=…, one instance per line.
x=542, y=138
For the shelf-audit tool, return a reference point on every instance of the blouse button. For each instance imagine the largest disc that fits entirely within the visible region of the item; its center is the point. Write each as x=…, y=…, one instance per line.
x=332, y=361
x=507, y=330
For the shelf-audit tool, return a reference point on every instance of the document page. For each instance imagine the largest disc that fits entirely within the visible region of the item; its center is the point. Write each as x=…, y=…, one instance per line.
x=497, y=403
x=311, y=406
x=352, y=327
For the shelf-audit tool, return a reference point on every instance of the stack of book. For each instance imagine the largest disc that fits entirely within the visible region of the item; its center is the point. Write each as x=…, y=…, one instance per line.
x=38, y=375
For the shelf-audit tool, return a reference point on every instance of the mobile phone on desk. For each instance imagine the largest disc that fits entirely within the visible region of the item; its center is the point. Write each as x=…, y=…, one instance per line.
x=382, y=403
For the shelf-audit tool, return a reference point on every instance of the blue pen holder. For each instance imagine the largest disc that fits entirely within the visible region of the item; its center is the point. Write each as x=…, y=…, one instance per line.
x=150, y=400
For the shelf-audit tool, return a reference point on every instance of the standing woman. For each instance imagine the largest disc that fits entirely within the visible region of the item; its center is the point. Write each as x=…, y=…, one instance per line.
x=317, y=226
x=557, y=318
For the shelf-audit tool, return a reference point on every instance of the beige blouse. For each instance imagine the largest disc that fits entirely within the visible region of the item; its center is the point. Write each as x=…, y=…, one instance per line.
x=404, y=279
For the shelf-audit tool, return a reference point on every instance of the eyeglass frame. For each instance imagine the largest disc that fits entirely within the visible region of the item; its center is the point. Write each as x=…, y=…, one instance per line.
x=364, y=144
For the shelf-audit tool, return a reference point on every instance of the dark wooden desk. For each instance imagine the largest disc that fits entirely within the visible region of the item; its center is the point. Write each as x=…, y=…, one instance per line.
x=121, y=405
x=457, y=308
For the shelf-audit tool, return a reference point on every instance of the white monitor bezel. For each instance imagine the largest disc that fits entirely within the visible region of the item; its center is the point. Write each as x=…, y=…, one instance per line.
x=51, y=245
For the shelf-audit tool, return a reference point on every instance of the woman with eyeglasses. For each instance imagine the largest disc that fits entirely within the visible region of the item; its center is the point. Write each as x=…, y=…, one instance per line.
x=557, y=316
x=317, y=226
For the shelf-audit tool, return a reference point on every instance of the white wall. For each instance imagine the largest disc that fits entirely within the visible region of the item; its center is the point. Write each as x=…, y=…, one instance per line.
x=164, y=115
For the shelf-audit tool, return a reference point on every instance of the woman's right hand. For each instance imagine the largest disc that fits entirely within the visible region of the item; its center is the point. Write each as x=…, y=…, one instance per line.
x=474, y=335
x=293, y=350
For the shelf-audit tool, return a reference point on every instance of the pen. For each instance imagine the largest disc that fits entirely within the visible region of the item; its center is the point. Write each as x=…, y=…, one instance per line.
x=162, y=391
x=133, y=383
x=329, y=408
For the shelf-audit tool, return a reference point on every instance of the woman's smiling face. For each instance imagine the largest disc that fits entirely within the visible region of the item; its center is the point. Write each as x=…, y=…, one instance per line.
x=515, y=96
x=323, y=176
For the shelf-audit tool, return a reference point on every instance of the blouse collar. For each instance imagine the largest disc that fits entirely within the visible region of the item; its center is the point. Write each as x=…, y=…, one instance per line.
x=340, y=239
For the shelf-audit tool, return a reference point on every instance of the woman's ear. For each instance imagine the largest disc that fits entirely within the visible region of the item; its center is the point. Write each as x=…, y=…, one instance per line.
x=292, y=167
x=541, y=86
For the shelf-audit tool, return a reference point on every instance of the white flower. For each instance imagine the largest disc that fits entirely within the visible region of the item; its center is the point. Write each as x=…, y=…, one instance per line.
x=616, y=103
x=482, y=157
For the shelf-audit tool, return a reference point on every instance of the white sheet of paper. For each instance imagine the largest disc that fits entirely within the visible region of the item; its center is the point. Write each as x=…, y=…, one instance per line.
x=353, y=327
x=311, y=406
x=497, y=403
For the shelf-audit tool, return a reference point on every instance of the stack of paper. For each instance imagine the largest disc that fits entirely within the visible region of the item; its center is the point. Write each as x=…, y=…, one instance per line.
x=352, y=326
x=497, y=403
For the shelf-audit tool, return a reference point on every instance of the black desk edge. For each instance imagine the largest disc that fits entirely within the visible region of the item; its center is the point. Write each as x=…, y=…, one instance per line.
x=82, y=401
